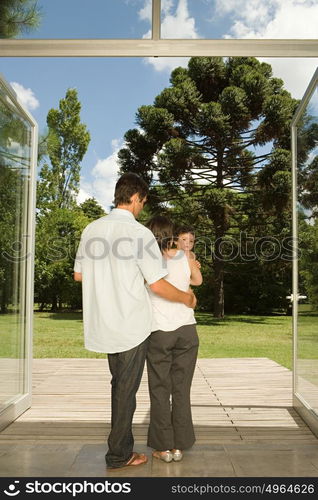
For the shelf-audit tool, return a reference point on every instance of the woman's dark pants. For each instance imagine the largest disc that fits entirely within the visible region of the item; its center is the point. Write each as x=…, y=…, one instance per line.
x=171, y=360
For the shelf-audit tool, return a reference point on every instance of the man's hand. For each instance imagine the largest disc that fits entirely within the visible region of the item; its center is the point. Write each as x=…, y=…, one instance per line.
x=169, y=292
x=191, y=300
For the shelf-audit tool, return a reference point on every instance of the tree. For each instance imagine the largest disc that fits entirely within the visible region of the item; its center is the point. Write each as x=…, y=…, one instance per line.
x=10, y=184
x=59, y=219
x=14, y=165
x=57, y=237
x=18, y=16
x=207, y=135
x=67, y=143
x=307, y=166
x=92, y=209
x=308, y=262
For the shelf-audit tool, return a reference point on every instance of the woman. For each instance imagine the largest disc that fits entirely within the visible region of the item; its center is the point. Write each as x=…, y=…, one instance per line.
x=172, y=352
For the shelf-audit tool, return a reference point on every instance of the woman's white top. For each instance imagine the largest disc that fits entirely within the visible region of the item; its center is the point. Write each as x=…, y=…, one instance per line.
x=167, y=315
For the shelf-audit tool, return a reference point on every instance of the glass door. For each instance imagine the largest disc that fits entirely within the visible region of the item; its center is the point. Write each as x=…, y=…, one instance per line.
x=305, y=264
x=18, y=158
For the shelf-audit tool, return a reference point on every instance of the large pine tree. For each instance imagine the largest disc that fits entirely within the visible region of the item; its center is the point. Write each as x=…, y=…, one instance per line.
x=221, y=129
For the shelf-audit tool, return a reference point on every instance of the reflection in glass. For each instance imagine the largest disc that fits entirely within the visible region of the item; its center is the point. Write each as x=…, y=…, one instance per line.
x=307, y=166
x=15, y=150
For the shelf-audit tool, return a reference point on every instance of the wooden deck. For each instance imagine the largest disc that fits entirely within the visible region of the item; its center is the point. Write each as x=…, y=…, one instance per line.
x=237, y=400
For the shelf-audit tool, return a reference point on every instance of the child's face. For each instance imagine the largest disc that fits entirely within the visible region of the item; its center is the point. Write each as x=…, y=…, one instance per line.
x=185, y=241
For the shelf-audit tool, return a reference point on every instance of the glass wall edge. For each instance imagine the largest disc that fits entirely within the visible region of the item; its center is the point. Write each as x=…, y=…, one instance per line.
x=26, y=114
x=31, y=257
x=30, y=247
x=10, y=91
x=306, y=98
x=295, y=252
x=158, y=48
x=12, y=412
x=306, y=413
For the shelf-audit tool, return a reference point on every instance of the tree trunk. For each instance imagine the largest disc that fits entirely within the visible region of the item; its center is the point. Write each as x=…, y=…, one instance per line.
x=219, y=220
x=3, y=301
x=54, y=304
x=218, y=288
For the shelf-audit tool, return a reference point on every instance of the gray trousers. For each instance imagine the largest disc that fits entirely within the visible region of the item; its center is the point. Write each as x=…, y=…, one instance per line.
x=171, y=359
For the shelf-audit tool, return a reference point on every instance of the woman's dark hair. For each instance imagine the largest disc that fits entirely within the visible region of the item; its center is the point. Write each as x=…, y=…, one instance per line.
x=128, y=185
x=163, y=230
x=185, y=229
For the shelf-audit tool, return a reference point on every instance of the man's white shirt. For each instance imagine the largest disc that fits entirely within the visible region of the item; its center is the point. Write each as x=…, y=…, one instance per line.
x=116, y=255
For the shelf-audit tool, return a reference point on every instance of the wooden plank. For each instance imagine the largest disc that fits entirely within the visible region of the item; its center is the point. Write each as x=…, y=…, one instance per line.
x=233, y=401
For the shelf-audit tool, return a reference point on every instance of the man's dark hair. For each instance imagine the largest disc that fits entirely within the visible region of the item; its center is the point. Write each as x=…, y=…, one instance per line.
x=185, y=229
x=163, y=230
x=128, y=185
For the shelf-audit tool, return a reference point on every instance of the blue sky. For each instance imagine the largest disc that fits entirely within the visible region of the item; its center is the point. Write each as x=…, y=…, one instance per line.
x=111, y=89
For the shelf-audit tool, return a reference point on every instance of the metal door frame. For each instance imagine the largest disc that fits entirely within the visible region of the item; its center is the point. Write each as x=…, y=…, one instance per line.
x=158, y=47
x=22, y=403
x=301, y=406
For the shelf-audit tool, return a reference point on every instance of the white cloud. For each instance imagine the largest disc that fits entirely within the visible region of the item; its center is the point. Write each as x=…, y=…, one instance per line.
x=270, y=18
x=179, y=24
x=295, y=72
x=176, y=23
x=83, y=195
x=275, y=19
x=145, y=13
x=105, y=174
x=167, y=63
x=25, y=96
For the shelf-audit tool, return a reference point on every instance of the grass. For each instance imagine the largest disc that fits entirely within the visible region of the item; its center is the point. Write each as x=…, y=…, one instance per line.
x=246, y=336
x=307, y=333
x=60, y=335
x=10, y=329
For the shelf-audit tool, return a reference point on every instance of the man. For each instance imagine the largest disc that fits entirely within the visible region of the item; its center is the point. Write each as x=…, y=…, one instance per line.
x=115, y=257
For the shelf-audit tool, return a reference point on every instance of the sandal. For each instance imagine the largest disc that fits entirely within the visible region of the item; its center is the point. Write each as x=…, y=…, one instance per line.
x=166, y=456
x=177, y=455
x=135, y=459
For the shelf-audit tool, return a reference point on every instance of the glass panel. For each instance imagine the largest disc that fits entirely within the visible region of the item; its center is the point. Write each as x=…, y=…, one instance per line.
x=307, y=347
x=94, y=19
x=216, y=19
x=15, y=153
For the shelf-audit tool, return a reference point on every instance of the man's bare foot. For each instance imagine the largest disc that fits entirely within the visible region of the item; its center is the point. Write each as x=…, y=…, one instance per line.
x=135, y=459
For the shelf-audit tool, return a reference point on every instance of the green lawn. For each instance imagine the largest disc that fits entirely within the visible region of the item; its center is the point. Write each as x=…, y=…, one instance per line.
x=307, y=332
x=246, y=336
x=61, y=335
x=10, y=329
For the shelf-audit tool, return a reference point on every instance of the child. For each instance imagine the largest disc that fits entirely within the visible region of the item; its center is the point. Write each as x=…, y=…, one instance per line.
x=185, y=241
x=172, y=353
